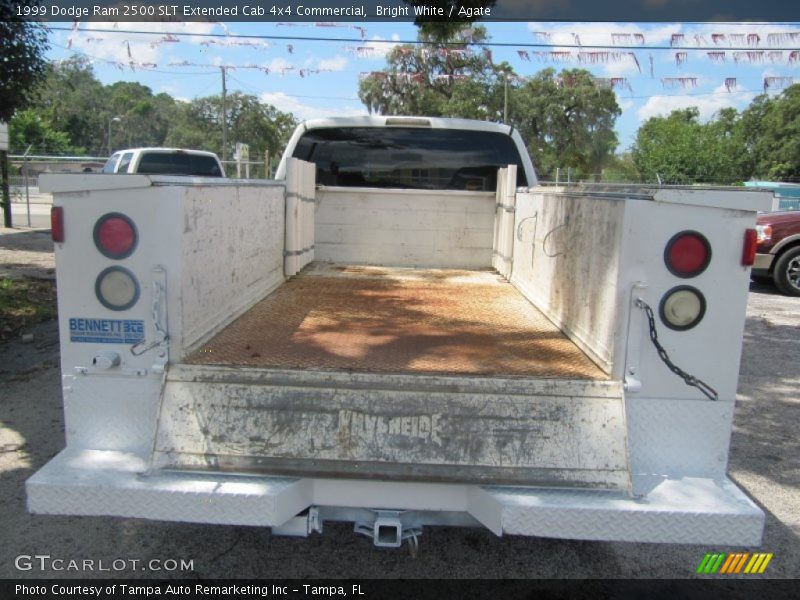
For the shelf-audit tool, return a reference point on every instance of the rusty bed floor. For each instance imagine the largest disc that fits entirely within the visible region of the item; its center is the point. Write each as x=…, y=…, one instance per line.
x=380, y=319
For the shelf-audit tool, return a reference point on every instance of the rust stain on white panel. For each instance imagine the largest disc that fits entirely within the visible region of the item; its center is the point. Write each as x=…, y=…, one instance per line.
x=380, y=431
x=566, y=261
x=232, y=247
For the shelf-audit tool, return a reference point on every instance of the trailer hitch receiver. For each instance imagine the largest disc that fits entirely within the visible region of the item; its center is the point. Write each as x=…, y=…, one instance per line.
x=388, y=531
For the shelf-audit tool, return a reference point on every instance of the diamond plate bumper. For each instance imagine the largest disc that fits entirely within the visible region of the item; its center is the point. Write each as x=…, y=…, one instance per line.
x=699, y=511
x=107, y=483
x=684, y=511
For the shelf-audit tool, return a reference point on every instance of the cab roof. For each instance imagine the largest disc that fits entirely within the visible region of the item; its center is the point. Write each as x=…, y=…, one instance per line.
x=406, y=121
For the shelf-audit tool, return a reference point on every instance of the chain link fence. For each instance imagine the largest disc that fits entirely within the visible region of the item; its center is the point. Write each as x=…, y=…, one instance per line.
x=31, y=207
x=25, y=171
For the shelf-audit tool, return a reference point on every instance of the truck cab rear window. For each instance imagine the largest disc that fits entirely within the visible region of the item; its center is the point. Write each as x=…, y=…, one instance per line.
x=124, y=162
x=162, y=163
x=111, y=163
x=403, y=157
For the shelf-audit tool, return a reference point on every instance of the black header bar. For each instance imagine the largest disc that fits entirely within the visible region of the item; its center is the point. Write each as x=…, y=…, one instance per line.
x=405, y=10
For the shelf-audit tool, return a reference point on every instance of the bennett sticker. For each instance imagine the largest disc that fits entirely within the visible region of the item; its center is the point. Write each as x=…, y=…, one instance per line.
x=105, y=331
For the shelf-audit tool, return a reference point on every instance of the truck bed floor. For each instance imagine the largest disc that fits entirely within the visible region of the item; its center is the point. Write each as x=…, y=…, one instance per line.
x=380, y=319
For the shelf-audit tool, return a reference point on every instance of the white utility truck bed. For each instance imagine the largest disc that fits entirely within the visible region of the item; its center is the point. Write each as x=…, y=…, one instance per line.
x=339, y=345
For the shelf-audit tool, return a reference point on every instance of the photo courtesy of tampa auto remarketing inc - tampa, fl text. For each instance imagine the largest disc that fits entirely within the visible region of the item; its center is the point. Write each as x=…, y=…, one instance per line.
x=432, y=298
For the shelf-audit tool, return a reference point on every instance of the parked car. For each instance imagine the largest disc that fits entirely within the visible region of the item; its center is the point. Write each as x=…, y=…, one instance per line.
x=778, y=250
x=165, y=161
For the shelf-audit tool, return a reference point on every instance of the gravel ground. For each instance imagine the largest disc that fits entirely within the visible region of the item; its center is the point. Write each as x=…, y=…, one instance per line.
x=765, y=461
x=26, y=253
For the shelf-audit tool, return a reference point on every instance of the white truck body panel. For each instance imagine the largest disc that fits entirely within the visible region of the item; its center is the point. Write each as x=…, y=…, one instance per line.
x=413, y=228
x=639, y=456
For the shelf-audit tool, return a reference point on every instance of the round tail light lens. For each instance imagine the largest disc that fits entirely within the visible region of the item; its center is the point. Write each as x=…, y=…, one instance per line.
x=682, y=308
x=115, y=236
x=116, y=288
x=687, y=254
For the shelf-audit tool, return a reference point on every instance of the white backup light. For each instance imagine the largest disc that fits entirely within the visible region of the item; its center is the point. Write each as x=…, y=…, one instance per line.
x=116, y=288
x=682, y=308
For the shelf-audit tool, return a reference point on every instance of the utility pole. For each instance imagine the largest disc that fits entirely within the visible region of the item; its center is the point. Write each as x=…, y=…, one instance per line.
x=4, y=191
x=505, y=96
x=224, y=118
x=4, y=185
x=110, y=121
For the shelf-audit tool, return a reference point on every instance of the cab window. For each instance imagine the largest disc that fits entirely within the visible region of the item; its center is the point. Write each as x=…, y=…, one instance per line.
x=111, y=163
x=124, y=162
x=402, y=157
x=179, y=163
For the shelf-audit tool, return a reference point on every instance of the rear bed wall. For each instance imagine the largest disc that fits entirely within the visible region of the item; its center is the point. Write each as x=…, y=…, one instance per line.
x=405, y=228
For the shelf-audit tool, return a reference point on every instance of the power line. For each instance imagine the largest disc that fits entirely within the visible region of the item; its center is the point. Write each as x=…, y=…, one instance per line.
x=423, y=43
x=148, y=70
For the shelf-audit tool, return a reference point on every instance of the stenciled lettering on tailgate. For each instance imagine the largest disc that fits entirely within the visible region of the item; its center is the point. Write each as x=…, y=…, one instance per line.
x=361, y=425
x=105, y=331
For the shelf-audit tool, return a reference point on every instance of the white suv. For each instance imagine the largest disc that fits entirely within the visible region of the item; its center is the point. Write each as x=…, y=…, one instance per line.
x=165, y=161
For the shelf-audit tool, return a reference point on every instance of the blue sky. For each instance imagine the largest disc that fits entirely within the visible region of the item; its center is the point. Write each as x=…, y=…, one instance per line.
x=314, y=79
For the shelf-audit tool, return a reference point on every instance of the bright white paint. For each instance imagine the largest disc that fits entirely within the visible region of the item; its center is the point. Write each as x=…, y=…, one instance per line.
x=505, y=206
x=681, y=510
x=576, y=254
x=300, y=209
x=405, y=228
x=566, y=261
x=232, y=255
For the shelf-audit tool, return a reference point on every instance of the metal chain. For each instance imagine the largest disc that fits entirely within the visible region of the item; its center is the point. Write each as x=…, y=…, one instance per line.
x=161, y=335
x=706, y=389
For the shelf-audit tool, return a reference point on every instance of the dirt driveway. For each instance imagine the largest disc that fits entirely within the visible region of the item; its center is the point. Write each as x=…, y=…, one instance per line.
x=26, y=253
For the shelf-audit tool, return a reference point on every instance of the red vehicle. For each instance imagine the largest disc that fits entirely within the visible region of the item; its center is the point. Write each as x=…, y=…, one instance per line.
x=778, y=251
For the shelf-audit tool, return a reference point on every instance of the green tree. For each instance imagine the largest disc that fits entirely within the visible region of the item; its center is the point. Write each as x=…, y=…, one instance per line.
x=679, y=149
x=724, y=149
x=263, y=127
x=73, y=101
x=621, y=168
x=27, y=128
x=772, y=135
x=453, y=20
x=22, y=48
x=436, y=79
x=567, y=120
x=666, y=147
x=145, y=119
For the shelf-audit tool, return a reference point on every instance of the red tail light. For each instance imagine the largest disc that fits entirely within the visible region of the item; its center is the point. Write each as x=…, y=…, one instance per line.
x=749, y=248
x=687, y=254
x=57, y=223
x=115, y=236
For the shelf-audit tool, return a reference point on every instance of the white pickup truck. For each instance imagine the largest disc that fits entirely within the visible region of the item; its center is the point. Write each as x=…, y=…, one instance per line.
x=165, y=161
x=402, y=330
